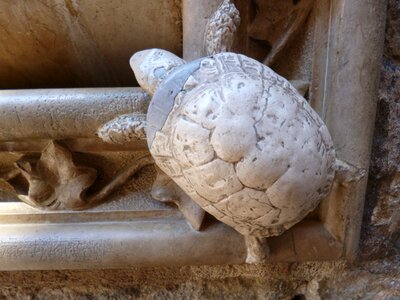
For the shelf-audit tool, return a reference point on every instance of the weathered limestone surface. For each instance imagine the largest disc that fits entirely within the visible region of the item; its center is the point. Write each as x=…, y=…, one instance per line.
x=381, y=228
x=79, y=43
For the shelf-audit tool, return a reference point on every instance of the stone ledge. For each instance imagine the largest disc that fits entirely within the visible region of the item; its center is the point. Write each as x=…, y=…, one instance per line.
x=105, y=238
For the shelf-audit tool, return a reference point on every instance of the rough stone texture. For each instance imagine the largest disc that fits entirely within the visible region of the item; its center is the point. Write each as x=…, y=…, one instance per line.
x=374, y=276
x=381, y=230
x=379, y=279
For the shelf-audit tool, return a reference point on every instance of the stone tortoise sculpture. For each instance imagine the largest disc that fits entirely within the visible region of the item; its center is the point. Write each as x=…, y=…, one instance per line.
x=236, y=137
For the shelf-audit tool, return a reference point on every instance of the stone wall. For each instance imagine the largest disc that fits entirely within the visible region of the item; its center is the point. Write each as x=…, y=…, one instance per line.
x=77, y=43
x=375, y=275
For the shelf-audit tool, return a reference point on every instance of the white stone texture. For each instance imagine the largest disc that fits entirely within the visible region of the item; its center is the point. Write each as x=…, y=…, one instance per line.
x=191, y=144
x=214, y=181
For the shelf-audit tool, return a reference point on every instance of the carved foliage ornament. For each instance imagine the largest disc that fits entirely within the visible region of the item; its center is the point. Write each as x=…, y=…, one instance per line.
x=56, y=182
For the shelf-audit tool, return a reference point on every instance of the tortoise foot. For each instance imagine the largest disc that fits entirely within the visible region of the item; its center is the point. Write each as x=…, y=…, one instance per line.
x=257, y=249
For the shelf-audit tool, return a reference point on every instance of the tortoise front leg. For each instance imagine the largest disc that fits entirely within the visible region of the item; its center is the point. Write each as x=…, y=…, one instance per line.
x=124, y=129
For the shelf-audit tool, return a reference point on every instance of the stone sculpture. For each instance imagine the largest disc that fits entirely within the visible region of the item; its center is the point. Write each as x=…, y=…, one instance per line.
x=237, y=138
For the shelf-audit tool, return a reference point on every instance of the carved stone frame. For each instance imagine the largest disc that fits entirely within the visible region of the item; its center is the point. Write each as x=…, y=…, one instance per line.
x=348, y=46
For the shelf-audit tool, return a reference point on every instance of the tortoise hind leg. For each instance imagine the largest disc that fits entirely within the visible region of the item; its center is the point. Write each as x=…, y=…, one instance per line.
x=166, y=190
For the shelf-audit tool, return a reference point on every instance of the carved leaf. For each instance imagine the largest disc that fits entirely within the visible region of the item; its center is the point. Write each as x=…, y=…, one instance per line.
x=55, y=181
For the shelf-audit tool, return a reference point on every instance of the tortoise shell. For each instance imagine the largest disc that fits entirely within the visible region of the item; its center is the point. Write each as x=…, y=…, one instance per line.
x=242, y=142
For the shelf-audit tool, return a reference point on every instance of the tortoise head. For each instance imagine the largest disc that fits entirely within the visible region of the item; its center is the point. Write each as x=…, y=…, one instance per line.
x=152, y=66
